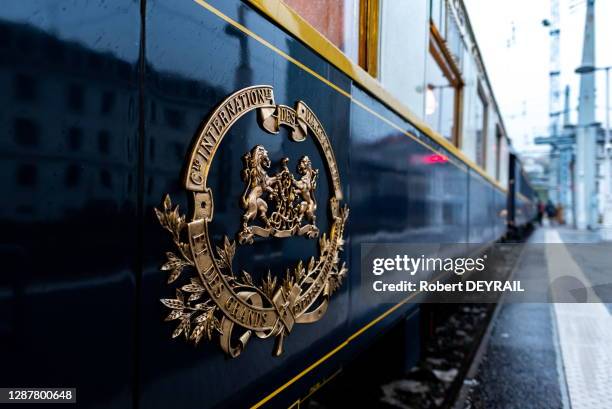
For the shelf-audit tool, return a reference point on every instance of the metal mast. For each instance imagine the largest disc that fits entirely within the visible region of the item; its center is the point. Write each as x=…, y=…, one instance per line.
x=566, y=153
x=555, y=69
x=586, y=132
x=554, y=108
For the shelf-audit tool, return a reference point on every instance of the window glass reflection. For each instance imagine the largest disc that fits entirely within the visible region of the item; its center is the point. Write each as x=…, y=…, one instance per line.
x=72, y=176
x=26, y=132
x=338, y=20
x=75, y=98
x=480, y=120
x=438, y=14
x=105, y=179
x=104, y=142
x=439, y=100
x=174, y=118
x=153, y=112
x=498, y=142
x=108, y=100
x=27, y=175
x=75, y=138
x=403, y=49
x=453, y=38
x=26, y=88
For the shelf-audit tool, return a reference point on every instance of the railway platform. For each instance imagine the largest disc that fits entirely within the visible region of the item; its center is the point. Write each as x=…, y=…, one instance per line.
x=548, y=355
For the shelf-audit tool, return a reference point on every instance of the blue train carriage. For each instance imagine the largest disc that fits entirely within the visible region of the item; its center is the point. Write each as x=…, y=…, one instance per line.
x=248, y=148
x=522, y=201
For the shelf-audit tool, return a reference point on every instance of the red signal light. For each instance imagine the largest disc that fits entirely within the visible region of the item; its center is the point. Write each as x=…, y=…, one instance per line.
x=434, y=158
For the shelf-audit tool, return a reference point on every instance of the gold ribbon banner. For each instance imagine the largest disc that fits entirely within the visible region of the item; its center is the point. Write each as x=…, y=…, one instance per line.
x=234, y=107
x=239, y=310
x=270, y=117
x=299, y=120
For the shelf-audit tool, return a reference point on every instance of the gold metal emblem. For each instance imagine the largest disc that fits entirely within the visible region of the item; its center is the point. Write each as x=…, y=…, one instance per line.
x=275, y=205
x=283, y=189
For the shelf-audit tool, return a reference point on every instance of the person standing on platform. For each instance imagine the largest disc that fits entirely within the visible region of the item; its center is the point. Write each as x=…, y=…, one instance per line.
x=540, y=211
x=559, y=214
x=551, y=211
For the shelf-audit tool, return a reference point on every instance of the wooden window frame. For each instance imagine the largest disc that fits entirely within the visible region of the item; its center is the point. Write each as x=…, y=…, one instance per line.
x=445, y=60
x=369, y=20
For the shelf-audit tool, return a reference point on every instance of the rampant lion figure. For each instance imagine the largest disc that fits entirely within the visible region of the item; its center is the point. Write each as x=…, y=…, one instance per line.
x=305, y=187
x=257, y=183
x=291, y=200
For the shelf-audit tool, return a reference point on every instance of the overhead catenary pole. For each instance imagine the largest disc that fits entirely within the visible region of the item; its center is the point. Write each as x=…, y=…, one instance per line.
x=561, y=150
x=555, y=69
x=554, y=109
x=565, y=163
x=585, y=169
x=606, y=231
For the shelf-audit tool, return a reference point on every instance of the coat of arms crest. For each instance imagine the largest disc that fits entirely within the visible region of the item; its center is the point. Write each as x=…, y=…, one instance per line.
x=275, y=204
x=293, y=199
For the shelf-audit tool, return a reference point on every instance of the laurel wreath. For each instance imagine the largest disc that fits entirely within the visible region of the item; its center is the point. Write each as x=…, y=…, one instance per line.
x=195, y=310
x=196, y=315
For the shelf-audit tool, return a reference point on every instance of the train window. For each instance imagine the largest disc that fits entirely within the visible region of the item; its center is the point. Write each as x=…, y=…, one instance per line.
x=480, y=116
x=337, y=20
x=403, y=50
x=438, y=14
x=453, y=36
x=447, y=18
x=442, y=89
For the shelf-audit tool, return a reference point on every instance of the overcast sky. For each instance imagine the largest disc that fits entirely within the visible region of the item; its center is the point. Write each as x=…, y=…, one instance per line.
x=516, y=51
